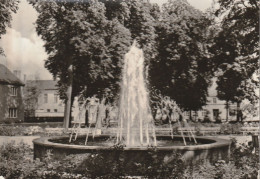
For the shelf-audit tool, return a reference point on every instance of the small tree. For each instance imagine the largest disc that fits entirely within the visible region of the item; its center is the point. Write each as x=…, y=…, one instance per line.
x=31, y=94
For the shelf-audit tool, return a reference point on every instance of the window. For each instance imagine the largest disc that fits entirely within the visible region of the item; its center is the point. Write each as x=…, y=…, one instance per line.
x=55, y=110
x=14, y=91
x=204, y=112
x=187, y=113
x=12, y=112
x=232, y=112
x=194, y=113
x=56, y=98
x=216, y=113
x=45, y=98
x=48, y=110
x=214, y=100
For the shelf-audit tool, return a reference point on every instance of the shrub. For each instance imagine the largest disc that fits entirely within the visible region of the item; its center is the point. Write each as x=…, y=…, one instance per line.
x=33, y=130
x=17, y=162
x=20, y=130
x=6, y=131
x=230, y=128
x=14, y=159
x=244, y=164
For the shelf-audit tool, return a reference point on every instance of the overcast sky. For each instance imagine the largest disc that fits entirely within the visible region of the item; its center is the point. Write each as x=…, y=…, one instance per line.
x=24, y=48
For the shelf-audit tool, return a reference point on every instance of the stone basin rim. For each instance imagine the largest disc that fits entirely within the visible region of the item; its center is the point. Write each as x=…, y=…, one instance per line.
x=214, y=143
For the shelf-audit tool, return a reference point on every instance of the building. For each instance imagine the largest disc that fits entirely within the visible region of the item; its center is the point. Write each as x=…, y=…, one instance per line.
x=215, y=108
x=11, y=102
x=48, y=105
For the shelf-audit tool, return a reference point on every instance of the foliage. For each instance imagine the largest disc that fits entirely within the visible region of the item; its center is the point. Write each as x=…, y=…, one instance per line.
x=11, y=131
x=16, y=161
x=93, y=36
x=180, y=69
x=244, y=164
x=172, y=40
x=235, y=50
x=21, y=131
x=230, y=128
x=79, y=34
x=7, y=7
x=246, y=158
x=31, y=94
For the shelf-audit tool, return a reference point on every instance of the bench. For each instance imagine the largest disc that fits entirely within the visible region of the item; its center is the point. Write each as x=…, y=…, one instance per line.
x=214, y=130
x=250, y=130
x=186, y=130
x=158, y=131
x=54, y=131
x=163, y=131
x=112, y=131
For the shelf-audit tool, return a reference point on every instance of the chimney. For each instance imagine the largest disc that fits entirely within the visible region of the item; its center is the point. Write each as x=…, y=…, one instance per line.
x=17, y=73
x=24, y=77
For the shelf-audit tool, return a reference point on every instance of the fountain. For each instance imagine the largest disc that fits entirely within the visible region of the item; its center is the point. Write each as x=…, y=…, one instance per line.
x=135, y=136
x=134, y=103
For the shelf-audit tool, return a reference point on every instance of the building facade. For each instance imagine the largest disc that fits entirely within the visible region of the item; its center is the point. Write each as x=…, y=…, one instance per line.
x=48, y=104
x=11, y=101
x=215, y=109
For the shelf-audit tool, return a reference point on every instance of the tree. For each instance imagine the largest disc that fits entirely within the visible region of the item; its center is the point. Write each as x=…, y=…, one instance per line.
x=140, y=18
x=235, y=50
x=79, y=34
x=180, y=69
x=31, y=94
x=93, y=36
x=7, y=7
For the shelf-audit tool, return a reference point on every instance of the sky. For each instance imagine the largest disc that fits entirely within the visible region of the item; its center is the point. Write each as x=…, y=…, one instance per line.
x=24, y=49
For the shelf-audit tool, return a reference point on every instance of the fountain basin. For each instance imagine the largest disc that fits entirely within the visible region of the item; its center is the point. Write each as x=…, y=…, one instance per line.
x=209, y=149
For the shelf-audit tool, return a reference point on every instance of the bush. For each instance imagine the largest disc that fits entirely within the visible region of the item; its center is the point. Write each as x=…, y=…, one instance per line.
x=230, y=128
x=13, y=159
x=20, y=130
x=10, y=121
x=11, y=131
x=17, y=162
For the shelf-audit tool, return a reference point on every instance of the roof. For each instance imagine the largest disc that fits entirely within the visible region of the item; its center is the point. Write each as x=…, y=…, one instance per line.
x=7, y=77
x=44, y=84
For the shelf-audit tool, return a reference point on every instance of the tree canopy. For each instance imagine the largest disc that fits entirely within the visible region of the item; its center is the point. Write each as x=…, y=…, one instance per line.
x=235, y=50
x=93, y=36
x=183, y=50
x=79, y=34
x=7, y=7
x=180, y=69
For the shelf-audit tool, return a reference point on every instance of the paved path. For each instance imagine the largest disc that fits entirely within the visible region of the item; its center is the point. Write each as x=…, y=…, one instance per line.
x=240, y=139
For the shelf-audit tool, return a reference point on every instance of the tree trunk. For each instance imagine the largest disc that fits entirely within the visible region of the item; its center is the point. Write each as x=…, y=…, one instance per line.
x=238, y=112
x=227, y=110
x=190, y=115
x=67, y=110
